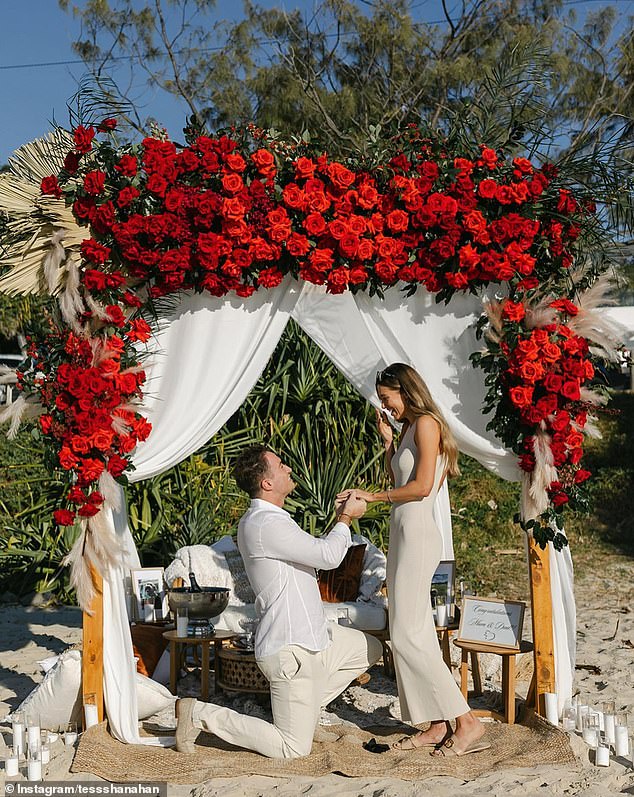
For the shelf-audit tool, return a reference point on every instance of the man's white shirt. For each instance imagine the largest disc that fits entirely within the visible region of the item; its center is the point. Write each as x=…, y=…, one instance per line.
x=280, y=559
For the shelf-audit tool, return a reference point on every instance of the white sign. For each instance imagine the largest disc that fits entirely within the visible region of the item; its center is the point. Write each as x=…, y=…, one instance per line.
x=492, y=622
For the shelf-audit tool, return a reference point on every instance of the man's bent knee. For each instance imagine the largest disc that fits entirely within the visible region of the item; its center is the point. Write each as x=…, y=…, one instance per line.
x=375, y=649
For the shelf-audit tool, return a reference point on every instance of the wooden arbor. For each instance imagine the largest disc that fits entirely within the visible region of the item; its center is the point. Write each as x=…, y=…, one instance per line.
x=541, y=615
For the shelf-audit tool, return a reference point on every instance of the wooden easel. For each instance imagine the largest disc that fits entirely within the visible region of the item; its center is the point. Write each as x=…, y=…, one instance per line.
x=541, y=613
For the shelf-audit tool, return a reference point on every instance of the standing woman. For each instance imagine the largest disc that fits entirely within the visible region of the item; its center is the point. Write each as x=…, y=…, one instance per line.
x=426, y=454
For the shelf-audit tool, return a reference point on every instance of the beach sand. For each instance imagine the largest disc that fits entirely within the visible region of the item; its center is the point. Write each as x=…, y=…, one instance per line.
x=605, y=670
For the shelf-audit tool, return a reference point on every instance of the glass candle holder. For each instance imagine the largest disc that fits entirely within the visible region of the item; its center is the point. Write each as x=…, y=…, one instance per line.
x=591, y=732
x=182, y=621
x=621, y=735
x=602, y=756
x=19, y=735
x=582, y=711
x=34, y=764
x=608, y=721
x=70, y=734
x=33, y=731
x=91, y=712
x=569, y=719
x=441, y=611
x=45, y=750
x=11, y=765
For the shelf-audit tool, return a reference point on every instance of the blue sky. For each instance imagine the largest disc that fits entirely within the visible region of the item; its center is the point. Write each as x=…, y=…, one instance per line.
x=34, y=32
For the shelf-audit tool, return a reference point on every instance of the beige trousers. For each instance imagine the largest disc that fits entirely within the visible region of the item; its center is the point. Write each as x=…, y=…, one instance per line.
x=302, y=682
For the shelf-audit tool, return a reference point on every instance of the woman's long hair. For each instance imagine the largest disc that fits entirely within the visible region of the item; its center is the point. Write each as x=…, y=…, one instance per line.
x=418, y=400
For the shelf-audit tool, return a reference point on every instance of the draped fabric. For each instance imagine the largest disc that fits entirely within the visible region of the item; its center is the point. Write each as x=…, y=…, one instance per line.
x=209, y=353
x=204, y=359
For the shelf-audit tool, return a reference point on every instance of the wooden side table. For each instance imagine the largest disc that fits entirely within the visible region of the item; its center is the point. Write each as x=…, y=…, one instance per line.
x=443, y=632
x=218, y=638
x=508, y=675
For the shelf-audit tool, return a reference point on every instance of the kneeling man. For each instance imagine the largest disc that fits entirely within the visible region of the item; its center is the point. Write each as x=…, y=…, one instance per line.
x=307, y=661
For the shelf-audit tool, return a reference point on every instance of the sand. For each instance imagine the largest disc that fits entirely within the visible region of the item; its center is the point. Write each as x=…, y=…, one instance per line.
x=605, y=670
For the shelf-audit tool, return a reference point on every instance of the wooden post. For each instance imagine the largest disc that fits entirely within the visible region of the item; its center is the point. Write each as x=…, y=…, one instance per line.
x=92, y=656
x=542, y=618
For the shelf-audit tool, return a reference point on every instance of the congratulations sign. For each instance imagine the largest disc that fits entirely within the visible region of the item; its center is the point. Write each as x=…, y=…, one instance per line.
x=492, y=622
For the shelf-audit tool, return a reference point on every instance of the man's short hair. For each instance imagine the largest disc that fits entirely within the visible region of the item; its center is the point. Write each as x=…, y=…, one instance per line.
x=250, y=468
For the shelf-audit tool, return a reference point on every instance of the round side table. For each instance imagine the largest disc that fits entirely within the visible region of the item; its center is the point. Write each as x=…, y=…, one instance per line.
x=176, y=641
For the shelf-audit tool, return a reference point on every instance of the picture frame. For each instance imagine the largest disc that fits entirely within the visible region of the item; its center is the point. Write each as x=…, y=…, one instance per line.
x=147, y=583
x=491, y=621
x=443, y=582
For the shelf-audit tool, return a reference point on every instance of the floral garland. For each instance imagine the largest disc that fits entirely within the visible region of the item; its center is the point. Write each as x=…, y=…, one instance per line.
x=237, y=212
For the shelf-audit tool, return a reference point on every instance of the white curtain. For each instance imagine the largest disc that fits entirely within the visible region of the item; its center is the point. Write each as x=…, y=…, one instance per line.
x=205, y=358
x=208, y=355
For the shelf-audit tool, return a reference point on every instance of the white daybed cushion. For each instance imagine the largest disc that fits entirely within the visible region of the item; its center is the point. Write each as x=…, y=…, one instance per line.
x=365, y=616
x=57, y=700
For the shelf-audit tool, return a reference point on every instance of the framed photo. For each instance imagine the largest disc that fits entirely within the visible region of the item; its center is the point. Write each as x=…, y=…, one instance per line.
x=492, y=622
x=147, y=584
x=443, y=582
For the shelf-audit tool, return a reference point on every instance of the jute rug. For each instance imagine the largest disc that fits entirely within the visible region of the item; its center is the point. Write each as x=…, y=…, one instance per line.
x=533, y=743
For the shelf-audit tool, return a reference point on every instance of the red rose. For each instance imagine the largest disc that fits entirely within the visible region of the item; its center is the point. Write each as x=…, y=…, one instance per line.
x=270, y=277
x=488, y=158
x=116, y=465
x=340, y=176
x=514, y=311
x=293, y=196
x=565, y=306
x=551, y=352
x=235, y=162
x=358, y=275
x=570, y=389
x=127, y=165
x=553, y=382
x=398, y=221
x=67, y=459
x=297, y=245
x=559, y=498
x=487, y=189
x=46, y=423
x=88, y=510
x=314, y=224
x=531, y=371
x=64, y=517
x=139, y=330
x=264, y=162
x=95, y=252
x=71, y=162
x=581, y=475
x=367, y=196
x=95, y=182
x=574, y=439
x=104, y=218
x=521, y=396
x=232, y=183
x=84, y=207
x=50, y=185
x=349, y=245
x=127, y=195
x=83, y=137
x=304, y=168
x=90, y=470
x=115, y=315
x=76, y=495
x=107, y=125
x=366, y=249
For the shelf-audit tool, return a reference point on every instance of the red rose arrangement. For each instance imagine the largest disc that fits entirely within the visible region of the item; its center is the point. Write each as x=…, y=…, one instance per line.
x=238, y=212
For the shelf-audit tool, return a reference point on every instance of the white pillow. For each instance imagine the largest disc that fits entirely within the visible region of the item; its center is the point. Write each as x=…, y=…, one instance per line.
x=151, y=696
x=373, y=573
x=57, y=700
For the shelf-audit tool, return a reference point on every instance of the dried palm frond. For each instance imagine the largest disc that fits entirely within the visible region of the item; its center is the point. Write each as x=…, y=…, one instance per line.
x=493, y=310
x=41, y=232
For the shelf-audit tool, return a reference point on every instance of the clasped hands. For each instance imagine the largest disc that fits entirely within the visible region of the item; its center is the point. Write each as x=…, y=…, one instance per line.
x=351, y=504
x=355, y=495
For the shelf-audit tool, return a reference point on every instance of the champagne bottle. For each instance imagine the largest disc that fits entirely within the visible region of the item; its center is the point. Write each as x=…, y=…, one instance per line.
x=193, y=584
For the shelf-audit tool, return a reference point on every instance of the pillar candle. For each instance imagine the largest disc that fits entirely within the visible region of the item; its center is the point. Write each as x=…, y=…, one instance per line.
x=91, y=715
x=621, y=743
x=552, y=708
x=608, y=728
x=11, y=766
x=603, y=757
x=34, y=769
x=18, y=738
